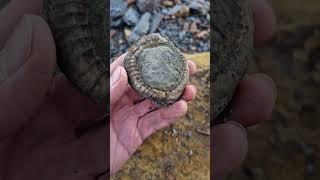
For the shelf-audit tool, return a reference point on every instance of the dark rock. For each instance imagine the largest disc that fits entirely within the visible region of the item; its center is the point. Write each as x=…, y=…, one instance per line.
x=117, y=9
x=131, y=17
x=116, y=22
x=155, y=21
x=147, y=5
x=201, y=6
x=141, y=28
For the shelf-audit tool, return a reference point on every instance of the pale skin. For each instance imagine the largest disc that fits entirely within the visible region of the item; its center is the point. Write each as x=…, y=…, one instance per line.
x=133, y=118
x=40, y=112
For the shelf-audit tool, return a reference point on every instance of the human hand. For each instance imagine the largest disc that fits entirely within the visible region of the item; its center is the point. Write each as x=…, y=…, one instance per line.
x=134, y=118
x=252, y=104
x=40, y=112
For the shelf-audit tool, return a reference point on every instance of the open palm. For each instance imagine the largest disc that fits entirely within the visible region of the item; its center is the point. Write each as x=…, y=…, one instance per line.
x=134, y=118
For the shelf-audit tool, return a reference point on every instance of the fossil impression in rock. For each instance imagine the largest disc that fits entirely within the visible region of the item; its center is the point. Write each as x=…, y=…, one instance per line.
x=156, y=69
x=79, y=30
x=232, y=46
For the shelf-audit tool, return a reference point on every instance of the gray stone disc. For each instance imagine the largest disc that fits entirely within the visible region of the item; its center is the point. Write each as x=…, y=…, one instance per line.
x=156, y=69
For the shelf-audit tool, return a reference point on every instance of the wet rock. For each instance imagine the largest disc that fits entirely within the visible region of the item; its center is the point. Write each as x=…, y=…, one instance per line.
x=117, y=9
x=200, y=6
x=141, y=28
x=155, y=21
x=147, y=5
x=131, y=17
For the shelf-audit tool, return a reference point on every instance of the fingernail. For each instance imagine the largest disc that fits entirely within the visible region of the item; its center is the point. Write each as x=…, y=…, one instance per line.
x=269, y=81
x=234, y=123
x=115, y=76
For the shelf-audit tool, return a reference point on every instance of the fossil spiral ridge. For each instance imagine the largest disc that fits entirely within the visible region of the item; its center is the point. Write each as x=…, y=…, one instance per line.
x=79, y=30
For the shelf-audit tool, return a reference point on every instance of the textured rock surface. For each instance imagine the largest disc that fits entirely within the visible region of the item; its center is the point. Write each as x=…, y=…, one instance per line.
x=157, y=69
x=232, y=46
x=181, y=151
x=147, y=5
x=79, y=30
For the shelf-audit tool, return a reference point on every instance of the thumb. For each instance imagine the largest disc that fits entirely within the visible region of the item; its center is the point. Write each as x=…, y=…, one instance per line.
x=118, y=84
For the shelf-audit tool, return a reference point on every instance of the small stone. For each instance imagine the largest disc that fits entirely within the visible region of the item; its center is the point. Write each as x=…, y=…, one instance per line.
x=164, y=11
x=143, y=25
x=184, y=11
x=175, y=9
x=174, y=132
x=200, y=5
x=147, y=5
x=131, y=2
x=189, y=134
x=127, y=33
x=112, y=33
x=116, y=22
x=182, y=35
x=131, y=17
x=155, y=22
x=117, y=10
x=202, y=35
x=167, y=3
x=141, y=28
x=179, y=10
x=186, y=26
x=194, y=28
x=190, y=153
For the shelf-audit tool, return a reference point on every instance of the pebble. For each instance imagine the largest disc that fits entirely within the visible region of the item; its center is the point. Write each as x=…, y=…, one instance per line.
x=189, y=134
x=112, y=33
x=190, y=153
x=155, y=21
x=141, y=28
x=174, y=132
x=182, y=35
x=131, y=2
x=127, y=33
x=174, y=10
x=116, y=22
x=117, y=9
x=167, y=3
x=131, y=17
x=202, y=35
x=147, y=5
x=194, y=28
x=201, y=6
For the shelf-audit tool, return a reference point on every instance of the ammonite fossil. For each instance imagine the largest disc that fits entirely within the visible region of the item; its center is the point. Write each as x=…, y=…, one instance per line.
x=79, y=30
x=157, y=69
x=232, y=46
